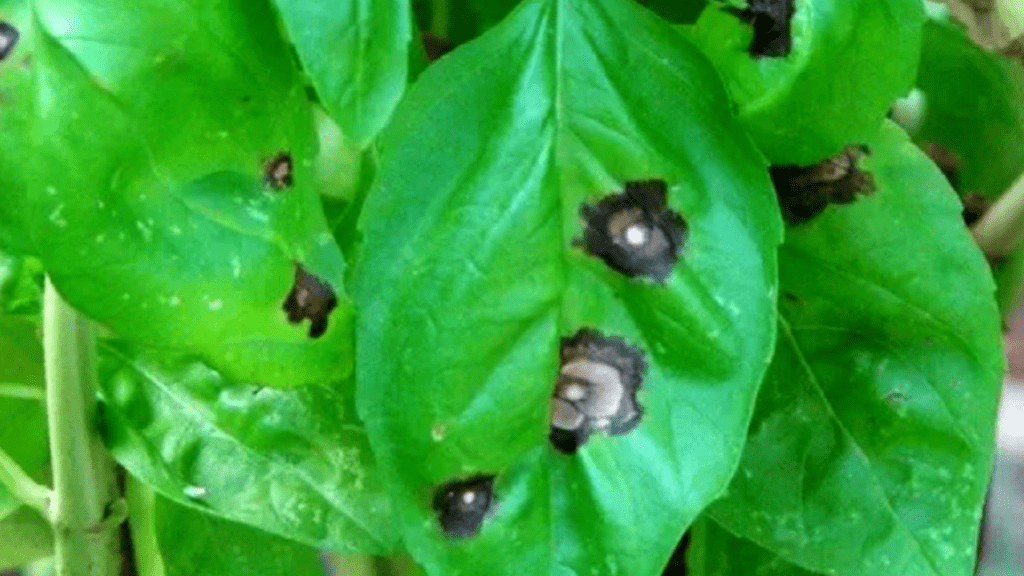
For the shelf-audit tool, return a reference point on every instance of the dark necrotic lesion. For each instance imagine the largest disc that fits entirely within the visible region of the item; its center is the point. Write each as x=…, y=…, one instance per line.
x=635, y=232
x=312, y=298
x=462, y=505
x=277, y=171
x=8, y=38
x=805, y=191
x=596, y=389
x=771, y=20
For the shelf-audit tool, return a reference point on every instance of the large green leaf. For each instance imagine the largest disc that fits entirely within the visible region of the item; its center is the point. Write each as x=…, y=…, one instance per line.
x=849, y=61
x=147, y=204
x=470, y=275
x=356, y=52
x=22, y=414
x=196, y=544
x=15, y=91
x=291, y=462
x=871, y=445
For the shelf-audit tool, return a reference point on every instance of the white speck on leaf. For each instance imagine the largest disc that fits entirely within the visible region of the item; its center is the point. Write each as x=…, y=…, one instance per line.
x=194, y=491
x=57, y=218
x=216, y=305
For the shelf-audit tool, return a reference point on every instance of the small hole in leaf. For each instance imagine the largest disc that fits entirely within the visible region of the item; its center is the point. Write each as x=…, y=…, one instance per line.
x=312, y=298
x=596, y=389
x=635, y=232
x=463, y=505
x=8, y=38
x=277, y=171
x=805, y=191
x=771, y=20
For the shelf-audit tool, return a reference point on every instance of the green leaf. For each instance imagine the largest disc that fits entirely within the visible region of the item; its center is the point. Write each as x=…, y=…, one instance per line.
x=470, y=275
x=973, y=109
x=676, y=11
x=871, y=445
x=24, y=536
x=15, y=113
x=291, y=462
x=193, y=543
x=356, y=53
x=715, y=552
x=849, y=62
x=23, y=433
x=147, y=205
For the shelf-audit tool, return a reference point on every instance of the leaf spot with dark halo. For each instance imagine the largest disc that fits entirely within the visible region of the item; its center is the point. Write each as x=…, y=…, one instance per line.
x=805, y=191
x=596, y=389
x=277, y=171
x=771, y=19
x=463, y=505
x=635, y=232
x=312, y=298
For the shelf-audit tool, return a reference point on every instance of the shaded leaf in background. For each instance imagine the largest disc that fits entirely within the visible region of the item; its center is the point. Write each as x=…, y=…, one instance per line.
x=871, y=445
x=800, y=108
x=196, y=544
x=291, y=462
x=469, y=276
x=973, y=108
x=973, y=125
x=22, y=412
x=24, y=536
x=21, y=285
x=356, y=53
x=146, y=203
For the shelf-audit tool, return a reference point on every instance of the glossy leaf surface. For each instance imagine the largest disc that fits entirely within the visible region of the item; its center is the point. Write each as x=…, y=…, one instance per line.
x=356, y=53
x=291, y=462
x=470, y=274
x=849, y=61
x=193, y=543
x=148, y=203
x=871, y=445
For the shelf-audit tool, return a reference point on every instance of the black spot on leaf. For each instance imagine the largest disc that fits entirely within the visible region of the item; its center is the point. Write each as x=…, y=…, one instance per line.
x=805, y=191
x=596, y=389
x=8, y=38
x=462, y=505
x=771, y=21
x=310, y=297
x=277, y=171
x=635, y=232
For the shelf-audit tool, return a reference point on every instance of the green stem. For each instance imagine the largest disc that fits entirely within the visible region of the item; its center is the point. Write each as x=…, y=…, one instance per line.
x=82, y=473
x=1001, y=230
x=22, y=486
x=22, y=392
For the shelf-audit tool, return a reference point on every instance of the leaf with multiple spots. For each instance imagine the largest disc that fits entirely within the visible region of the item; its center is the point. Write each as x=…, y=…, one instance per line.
x=811, y=76
x=871, y=444
x=158, y=198
x=356, y=52
x=291, y=462
x=475, y=274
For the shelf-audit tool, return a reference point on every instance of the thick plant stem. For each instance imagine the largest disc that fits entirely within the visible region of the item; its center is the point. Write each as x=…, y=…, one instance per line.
x=82, y=473
x=1001, y=229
